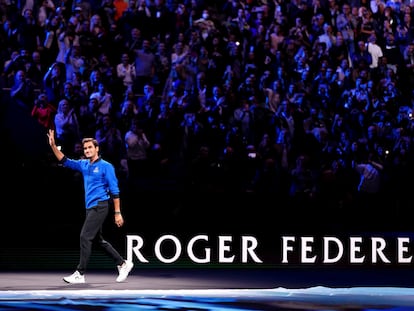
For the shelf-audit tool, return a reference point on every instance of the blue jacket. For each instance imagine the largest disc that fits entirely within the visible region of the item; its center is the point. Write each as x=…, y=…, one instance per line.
x=99, y=179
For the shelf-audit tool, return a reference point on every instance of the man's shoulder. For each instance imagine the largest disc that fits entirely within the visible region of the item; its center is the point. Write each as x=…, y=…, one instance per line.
x=104, y=162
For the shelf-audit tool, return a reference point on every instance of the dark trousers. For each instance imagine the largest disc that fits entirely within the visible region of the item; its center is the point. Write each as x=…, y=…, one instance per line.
x=92, y=233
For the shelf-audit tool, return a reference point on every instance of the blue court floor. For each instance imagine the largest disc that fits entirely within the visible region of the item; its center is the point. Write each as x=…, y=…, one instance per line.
x=212, y=289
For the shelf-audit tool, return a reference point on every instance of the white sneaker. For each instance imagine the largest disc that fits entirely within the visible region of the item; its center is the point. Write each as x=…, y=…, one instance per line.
x=124, y=270
x=75, y=278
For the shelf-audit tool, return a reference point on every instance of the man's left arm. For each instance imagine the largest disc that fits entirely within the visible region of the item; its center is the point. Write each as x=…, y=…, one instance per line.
x=119, y=220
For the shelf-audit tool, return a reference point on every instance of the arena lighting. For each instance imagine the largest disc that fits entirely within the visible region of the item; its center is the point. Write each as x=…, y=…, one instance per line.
x=308, y=249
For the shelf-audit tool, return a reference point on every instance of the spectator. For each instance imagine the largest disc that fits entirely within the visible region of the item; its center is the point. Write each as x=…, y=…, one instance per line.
x=44, y=112
x=67, y=126
x=144, y=66
x=111, y=142
x=53, y=83
x=104, y=98
x=22, y=91
x=36, y=69
x=137, y=148
x=74, y=61
x=125, y=71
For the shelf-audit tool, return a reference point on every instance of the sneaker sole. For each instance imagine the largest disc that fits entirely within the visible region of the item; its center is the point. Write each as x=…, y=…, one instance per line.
x=83, y=282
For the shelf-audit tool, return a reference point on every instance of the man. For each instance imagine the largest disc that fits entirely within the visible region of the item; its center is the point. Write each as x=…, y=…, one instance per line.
x=101, y=185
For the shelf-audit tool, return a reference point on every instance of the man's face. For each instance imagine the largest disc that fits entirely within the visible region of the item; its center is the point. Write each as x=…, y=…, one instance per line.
x=90, y=150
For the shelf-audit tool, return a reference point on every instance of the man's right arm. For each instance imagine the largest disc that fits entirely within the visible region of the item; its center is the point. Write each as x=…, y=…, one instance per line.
x=56, y=151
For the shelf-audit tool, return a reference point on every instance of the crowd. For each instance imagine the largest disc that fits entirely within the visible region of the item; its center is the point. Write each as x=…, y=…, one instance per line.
x=305, y=100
